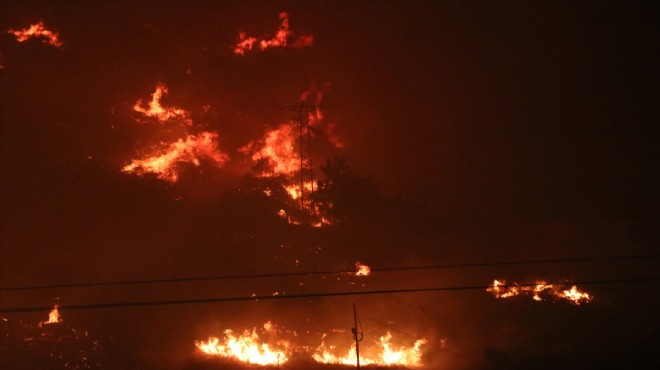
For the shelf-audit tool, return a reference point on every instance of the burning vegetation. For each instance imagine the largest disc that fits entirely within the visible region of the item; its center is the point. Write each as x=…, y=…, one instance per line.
x=541, y=291
x=264, y=347
x=50, y=344
x=284, y=37
x=37, y=31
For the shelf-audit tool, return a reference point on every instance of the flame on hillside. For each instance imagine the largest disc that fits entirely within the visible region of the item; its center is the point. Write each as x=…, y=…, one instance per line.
x=386, y=356
x=53, y=317
x=247, y=347
x=37, y=31
x=284, y=37
x=268, y=350
x=539, y=292
x=276, y=150
x=154, y=108
x=165, y=161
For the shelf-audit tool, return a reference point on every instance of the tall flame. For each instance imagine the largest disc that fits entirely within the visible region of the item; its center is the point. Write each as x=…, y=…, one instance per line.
x=154, y=109
x=283, y=37
x=387, y=356
x=37, y=31
x=165, y=162
x=245, y=348
x=500, y=289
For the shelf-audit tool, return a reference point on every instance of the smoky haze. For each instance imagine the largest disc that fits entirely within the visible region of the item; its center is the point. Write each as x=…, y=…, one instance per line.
x=474, y=132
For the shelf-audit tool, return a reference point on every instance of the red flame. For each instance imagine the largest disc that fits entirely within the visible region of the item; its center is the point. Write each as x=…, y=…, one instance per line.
x=166, y=159
x=37, y=31
x=283, y=37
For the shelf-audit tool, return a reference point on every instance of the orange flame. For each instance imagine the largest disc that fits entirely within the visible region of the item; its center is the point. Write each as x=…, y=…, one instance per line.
x=404, y=356
x=165, y=162
x=53, y=317
x=500, y=289
x=362, y=270
x=246, y=348
x=277, y=149
x=37, y=31
x=283, y=38
x=575, y=296
x=154, y=109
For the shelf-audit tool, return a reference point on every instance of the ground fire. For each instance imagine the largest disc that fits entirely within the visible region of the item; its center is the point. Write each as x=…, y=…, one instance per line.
x=267, y=349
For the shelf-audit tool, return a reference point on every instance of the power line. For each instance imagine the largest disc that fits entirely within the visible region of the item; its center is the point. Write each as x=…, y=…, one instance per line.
x=308, y=295
x=327, y=272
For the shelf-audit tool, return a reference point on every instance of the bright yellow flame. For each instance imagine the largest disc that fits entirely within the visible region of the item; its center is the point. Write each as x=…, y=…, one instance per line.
x=164, y=163
x=38, y=31
x=361, y=269
x=154, y=108
x=246, y=348
x=387, y=355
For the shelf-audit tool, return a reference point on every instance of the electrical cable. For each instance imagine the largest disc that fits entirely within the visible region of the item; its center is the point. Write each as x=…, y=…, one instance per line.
x=327, y=272
x=307, y=295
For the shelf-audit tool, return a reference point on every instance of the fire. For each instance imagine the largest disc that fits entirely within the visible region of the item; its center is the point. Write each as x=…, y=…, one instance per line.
x=362, y=270
x=277, y=150
x=283, y=37
x=53, y=316
x=500, y=290
x=246, y=348
x=165, y=162
x=575, y=296
x=37, y=31
x=387, y=356
x=154, y=109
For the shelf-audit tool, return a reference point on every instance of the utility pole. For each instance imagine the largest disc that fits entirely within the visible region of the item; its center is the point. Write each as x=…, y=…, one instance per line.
x=303, y=111
x=358, y=335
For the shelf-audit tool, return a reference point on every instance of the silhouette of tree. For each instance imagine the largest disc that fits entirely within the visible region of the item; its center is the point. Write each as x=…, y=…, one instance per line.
x=341, y=193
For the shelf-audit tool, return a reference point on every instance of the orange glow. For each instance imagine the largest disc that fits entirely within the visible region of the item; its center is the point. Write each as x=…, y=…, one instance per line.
x=164, y=163
x=246, y=348
x=244, y=44
x=362, y=270
x=500, y=289
x=386, y=356
x=53, y=317
x=283, y=37
x=277, y=149
x=154, y=109
x=575, y=296
x=37, y=31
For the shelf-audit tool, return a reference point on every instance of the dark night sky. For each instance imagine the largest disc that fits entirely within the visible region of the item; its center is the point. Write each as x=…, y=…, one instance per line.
x=495, y=131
